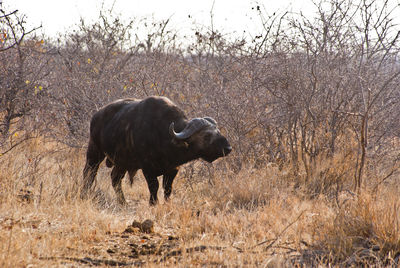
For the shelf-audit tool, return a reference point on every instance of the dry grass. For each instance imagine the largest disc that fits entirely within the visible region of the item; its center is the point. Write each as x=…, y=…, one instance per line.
x=257, y=217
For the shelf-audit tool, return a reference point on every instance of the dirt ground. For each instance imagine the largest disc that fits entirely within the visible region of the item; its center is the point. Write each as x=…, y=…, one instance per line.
x=53, y=243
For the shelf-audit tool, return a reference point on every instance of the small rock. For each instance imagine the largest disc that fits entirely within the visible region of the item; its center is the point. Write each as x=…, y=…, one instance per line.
x=131, y=229
x=147, y=226
x=136, y=224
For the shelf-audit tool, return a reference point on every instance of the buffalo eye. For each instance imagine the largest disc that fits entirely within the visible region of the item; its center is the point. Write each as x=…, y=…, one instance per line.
x=207, y=137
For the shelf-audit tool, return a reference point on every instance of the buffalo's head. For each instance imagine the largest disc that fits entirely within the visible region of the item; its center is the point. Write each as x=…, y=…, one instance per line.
x=203, y=135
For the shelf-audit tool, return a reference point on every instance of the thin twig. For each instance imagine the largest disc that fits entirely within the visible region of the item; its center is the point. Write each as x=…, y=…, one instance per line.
x=279, y=235
x=15, y=145
x=384, y=179
x=6, y=15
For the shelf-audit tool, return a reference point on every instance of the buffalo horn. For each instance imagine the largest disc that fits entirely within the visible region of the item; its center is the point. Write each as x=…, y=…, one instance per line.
x=192, y=127
x=211, y=120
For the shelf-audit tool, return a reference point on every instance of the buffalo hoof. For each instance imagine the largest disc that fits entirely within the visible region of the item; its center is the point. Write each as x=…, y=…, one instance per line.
x=153, y=202
x=122, y=202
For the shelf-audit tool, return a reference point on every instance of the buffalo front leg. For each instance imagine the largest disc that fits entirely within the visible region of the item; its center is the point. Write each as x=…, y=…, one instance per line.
x=168, y=179
x=131, y=174
x=93, y=160
x=152, y=183
x=116, y=177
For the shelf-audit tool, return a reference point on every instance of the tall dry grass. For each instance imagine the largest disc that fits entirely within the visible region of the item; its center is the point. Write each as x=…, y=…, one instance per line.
x=304, y=95
x=256, y=217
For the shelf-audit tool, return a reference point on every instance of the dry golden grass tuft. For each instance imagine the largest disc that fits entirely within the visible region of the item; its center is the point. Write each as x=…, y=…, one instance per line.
x=255, y=217
x=363, y=230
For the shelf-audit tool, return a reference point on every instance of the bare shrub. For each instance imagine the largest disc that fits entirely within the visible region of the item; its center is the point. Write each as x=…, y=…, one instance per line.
x=310, y=106
x=23, y=67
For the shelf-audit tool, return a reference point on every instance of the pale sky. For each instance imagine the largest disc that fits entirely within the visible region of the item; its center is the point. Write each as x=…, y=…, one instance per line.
x=230, y=16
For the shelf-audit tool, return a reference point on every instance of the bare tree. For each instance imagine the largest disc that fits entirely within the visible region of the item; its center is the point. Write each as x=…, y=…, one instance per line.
x=21, y=69
x=304, y=91
x=100, y=62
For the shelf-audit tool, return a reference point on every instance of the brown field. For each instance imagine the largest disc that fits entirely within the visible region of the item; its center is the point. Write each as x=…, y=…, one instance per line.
x=310, y=105
x=251, y=218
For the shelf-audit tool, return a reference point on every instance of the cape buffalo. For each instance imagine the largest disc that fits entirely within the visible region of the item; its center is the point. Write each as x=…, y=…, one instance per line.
x=153, y=135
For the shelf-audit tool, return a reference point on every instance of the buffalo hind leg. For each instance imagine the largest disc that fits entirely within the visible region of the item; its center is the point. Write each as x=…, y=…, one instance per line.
x=168, y=179
x=152, y=183
x=116, y=177
x=93, y=159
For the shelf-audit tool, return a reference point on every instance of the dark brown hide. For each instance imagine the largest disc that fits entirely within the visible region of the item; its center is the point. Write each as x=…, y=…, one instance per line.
x=136, y=134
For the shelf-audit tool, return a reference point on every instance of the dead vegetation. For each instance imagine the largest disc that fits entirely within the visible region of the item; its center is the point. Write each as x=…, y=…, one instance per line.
x=310, y=106
x=253, y=217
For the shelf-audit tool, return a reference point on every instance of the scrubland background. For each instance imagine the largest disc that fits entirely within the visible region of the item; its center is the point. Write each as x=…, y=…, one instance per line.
x=311, y=107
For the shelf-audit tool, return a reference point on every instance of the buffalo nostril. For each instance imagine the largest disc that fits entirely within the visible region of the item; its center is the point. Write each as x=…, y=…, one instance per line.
x=227, y=150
